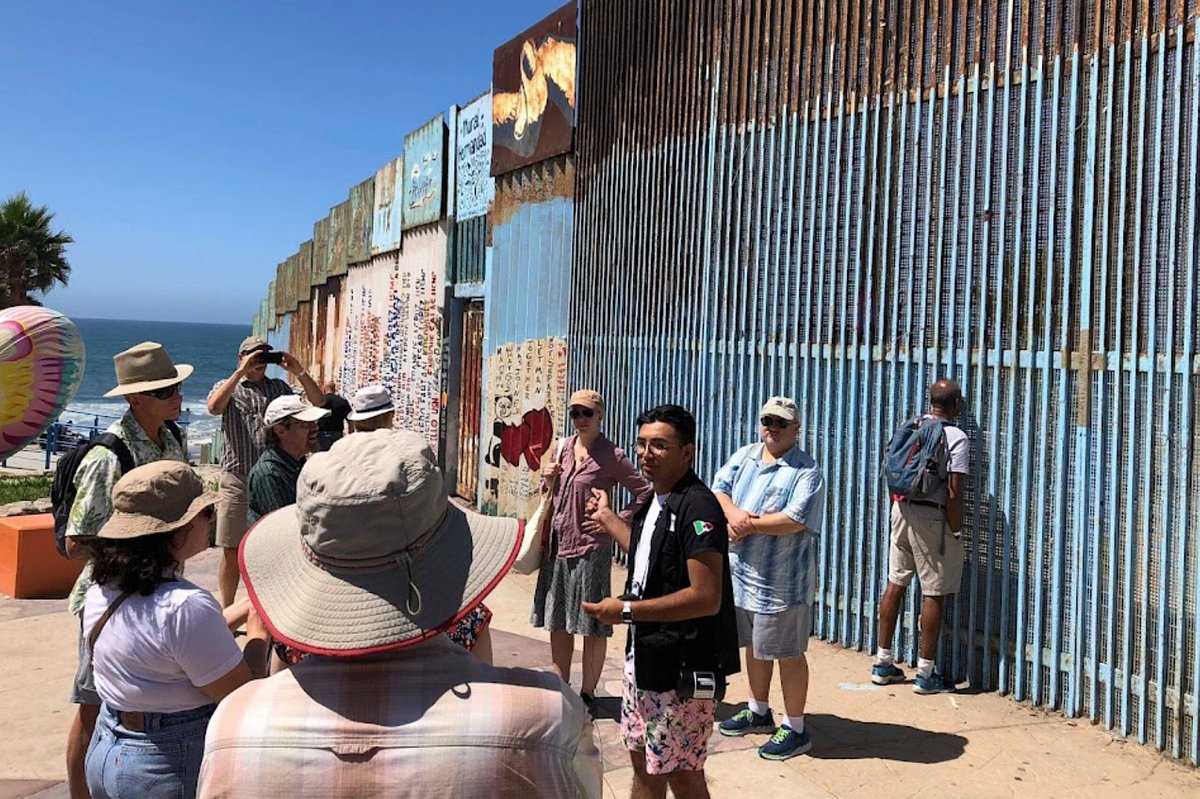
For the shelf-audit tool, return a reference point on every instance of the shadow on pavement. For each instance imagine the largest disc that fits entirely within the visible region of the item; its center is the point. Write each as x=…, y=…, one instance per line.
x=837, y=738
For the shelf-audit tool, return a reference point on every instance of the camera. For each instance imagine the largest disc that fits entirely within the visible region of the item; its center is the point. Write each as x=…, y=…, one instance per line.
x=270, y=357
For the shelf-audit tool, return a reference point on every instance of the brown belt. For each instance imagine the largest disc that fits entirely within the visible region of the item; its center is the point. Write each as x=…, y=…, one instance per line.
x=132, y=720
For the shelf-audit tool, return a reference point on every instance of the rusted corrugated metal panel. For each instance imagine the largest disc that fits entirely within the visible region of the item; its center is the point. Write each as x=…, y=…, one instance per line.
x=844, y=201
x=389, y=203
x=469, y=254
x=473, y=153
x=333, y=324
x=362, y=216
x=469, y=397
x=339, y=238
x=320, y=256
x=304, y=265
x=526, y=309
x=533, y=93
x=271, y=311
x=366, y=295
x=425, y=173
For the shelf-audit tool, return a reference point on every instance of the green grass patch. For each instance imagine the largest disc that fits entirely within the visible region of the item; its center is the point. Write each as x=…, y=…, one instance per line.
x=24, y=488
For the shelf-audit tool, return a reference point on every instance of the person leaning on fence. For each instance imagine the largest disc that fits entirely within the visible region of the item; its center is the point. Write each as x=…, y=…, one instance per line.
x=678, y=603
x=927, y=463
x=773, y=495
x=365, y=573
x=241, y=400
x=577, y=563
x=152, y=386
x=162, y=648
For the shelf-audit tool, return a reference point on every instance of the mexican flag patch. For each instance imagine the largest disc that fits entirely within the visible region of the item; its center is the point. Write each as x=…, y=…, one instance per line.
x=702, y=528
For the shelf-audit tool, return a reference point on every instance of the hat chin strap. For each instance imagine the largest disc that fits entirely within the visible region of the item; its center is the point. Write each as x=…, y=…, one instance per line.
x=404, y=561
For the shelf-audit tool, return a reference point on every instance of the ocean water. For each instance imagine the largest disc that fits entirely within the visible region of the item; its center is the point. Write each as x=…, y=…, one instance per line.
x=210, y=349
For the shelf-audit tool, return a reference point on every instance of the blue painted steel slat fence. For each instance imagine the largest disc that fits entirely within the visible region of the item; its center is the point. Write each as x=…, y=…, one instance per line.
x=846, y=200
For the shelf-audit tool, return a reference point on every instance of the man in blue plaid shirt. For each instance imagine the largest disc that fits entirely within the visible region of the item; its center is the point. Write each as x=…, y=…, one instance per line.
x=773, y=495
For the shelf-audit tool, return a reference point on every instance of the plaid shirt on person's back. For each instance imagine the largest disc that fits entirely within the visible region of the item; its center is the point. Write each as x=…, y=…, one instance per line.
x=242, y=422
x=430, y=720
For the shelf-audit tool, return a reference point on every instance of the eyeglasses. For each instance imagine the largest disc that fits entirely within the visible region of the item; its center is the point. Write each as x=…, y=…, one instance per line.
x=774, y=422
x=586, y=413
x=655, y=446
x=164, y=393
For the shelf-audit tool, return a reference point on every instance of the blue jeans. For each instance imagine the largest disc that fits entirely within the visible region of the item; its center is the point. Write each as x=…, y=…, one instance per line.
x=160, y=762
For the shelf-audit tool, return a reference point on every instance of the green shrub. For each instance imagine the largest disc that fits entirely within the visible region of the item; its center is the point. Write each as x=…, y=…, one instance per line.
x=24, y=488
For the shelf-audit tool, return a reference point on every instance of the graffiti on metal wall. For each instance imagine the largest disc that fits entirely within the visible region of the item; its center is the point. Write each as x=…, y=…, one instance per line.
x=339, y=234
x=533, y=93
x=366, y=296
x=475, y=187
x=425, y=173
x=304, y=265
x=320, y=252
x=362, y=214
x=385, y=231
x=414, y=334
x=525, y=394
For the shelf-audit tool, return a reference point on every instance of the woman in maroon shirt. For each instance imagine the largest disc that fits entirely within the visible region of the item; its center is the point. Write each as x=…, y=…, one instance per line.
x=577, y=564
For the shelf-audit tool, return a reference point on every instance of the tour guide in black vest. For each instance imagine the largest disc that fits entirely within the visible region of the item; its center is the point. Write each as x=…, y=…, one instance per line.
x=678, y=602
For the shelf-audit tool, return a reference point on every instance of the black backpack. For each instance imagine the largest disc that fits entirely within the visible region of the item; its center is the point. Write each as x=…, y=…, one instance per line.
x=62, y=490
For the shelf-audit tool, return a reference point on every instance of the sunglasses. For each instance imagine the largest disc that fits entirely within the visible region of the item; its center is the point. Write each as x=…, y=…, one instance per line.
x=587, y=413
x=774, y=422
x=164, y=393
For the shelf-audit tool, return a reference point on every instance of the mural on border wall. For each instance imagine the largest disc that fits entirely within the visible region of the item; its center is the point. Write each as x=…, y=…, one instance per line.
x=524, y=397
x=424, y=173
x=473, y=159
x=362, y=215
x=389, y=198
x=533, y=93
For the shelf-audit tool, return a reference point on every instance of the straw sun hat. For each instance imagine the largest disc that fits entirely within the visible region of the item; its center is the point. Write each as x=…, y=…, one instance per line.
x=156, y=498
x=372, y=557
x=145, y=367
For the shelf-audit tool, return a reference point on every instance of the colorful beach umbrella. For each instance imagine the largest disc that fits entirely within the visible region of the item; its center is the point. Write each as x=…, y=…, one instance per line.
x=41, y=366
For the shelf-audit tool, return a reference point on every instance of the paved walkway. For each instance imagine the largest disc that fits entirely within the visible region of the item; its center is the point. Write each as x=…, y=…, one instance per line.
x=868, y=741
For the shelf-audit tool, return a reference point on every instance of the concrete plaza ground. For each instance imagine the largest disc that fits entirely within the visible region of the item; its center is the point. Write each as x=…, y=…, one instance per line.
x=867, y=741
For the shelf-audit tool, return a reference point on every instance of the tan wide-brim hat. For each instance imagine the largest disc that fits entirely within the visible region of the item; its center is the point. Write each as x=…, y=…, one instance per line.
x=372, y=557
x=146, y=367
x=156, y=498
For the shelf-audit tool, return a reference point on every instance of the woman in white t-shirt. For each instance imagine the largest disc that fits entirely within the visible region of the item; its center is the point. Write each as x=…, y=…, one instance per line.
x=162, y=650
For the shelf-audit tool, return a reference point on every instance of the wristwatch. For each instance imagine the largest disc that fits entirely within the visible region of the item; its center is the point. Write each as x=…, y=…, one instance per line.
x=627, y=613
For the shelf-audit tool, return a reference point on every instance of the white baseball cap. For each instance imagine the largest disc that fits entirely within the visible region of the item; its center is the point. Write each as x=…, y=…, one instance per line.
x=289, y=406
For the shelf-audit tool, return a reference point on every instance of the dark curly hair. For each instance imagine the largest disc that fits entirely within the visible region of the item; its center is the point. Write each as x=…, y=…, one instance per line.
x=135, y=565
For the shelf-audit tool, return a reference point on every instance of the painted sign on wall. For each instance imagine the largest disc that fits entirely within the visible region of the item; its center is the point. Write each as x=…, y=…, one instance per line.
x=533, y=93
x=389, y=197
x=525, y=395
x=424, y=173
x=362, y=214
x=475, y=187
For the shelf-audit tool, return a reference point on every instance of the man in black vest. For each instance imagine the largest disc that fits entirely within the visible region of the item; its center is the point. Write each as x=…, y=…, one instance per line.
x=678, y=603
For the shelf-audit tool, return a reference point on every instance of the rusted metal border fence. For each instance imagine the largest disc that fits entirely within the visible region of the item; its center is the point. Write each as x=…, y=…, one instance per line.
x=845, y=200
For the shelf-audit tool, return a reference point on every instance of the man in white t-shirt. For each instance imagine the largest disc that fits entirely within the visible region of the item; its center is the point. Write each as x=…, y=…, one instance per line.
x=926, y=541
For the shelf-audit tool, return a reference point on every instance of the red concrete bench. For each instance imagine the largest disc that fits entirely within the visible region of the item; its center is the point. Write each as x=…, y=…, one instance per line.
x=30, y=566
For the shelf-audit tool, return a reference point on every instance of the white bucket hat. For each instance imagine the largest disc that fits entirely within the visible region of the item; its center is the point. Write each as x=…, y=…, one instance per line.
x=370, y=401
x=372, y=557
x=289, y=406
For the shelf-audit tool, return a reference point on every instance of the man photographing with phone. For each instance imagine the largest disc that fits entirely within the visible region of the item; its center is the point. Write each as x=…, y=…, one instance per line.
x=678, y=602
x=241, y=400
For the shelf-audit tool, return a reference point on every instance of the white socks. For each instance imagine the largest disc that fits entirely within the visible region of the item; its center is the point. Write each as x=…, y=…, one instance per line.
x=924, y=667
x=794, y=722
x=759, y=708
x=884, y=657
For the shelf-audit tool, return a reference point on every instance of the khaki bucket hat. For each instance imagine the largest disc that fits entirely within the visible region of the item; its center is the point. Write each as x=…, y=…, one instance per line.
x=373, y=556
x=156, y=498
x=145, y=367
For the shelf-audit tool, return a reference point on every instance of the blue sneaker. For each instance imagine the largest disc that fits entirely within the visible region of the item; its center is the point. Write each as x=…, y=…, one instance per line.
x=785, y=743
x=935, y=683
x=886, y=674
x=745, y=722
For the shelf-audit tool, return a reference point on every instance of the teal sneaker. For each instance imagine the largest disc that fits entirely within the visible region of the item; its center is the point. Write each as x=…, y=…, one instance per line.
x=935, y=683
x=785, y=743
x=745, y=722
x=886, y=674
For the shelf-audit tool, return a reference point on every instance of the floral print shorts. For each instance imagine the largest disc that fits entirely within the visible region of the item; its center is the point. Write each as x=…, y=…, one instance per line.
x=672, y=732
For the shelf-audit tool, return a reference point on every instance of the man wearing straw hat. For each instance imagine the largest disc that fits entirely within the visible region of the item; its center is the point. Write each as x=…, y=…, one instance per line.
x=152, y=385
x=365, y=573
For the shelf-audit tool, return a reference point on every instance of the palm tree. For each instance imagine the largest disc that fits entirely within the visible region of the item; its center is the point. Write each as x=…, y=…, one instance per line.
x=32, y=257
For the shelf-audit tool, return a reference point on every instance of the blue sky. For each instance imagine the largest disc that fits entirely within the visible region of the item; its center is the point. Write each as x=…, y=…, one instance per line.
x=189, y=147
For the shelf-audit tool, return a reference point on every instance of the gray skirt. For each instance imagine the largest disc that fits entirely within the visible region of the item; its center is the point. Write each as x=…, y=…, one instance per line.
x=564, y=584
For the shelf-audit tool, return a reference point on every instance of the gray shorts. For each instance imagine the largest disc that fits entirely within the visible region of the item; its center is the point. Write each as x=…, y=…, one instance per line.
x=83, y=692
x=232, y=507
x=775, y=636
